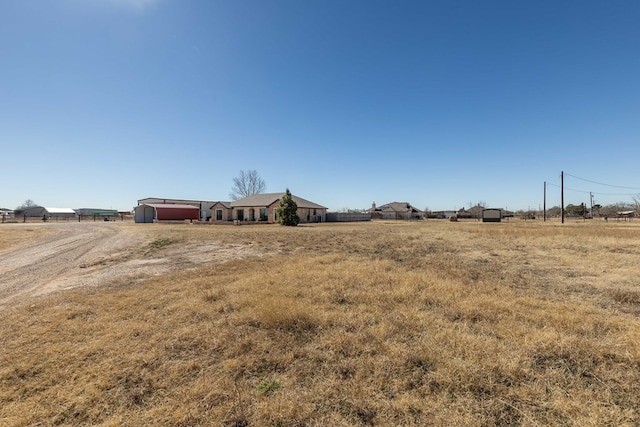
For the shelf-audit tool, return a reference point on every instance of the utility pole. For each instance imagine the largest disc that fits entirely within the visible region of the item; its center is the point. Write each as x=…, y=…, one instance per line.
x=591, y=198
x=562, y=195
x=544, y=212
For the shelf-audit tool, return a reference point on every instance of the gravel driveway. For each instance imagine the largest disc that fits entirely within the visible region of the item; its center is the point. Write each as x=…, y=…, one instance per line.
x=65, y=258
x=99, y=254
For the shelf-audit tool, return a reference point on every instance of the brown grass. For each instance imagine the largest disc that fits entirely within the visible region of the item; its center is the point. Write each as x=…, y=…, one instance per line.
x=432, y=323
x=14, y=234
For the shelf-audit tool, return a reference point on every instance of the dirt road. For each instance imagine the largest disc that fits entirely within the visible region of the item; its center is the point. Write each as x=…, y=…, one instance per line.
x=65, y=258
x=97, y=254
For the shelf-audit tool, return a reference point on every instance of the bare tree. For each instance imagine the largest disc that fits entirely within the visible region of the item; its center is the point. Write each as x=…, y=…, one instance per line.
x=247, y=184
x=636, y=203
x=26, y=204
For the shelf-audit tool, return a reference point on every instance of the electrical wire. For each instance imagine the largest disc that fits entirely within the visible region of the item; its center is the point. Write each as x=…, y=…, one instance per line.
x=601, y=183
x=593, y=192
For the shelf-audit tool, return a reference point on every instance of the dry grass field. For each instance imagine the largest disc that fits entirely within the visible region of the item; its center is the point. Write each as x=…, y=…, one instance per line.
x=13, y=236
x=408, y=324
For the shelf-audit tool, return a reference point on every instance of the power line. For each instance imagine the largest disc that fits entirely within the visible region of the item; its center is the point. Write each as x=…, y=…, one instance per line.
x=570, y=189
x=601, y=183
x=615, y=194
x=593, y=192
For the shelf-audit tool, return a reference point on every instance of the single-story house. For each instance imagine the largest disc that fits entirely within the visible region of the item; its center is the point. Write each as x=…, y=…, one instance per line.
x=395, y=210
x=262, y=208
x=152, y=212
x=203, y=205
x=48, y=212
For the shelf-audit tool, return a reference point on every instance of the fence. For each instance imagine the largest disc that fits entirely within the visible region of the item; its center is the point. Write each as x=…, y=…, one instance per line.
x=347, y=217
x=69, y=218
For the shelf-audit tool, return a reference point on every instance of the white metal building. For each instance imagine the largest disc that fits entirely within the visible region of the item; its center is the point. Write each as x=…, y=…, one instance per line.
x=49, y=212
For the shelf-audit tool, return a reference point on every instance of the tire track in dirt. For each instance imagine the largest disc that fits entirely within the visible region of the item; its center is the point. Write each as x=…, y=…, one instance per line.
x=98, y=254
x=28, y=269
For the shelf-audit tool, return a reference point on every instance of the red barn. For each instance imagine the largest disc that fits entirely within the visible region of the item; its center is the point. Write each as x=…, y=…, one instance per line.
x=165, y=212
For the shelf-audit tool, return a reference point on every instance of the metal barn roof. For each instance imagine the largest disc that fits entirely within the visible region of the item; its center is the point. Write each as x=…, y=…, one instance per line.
x=169, y=206
x=60, y=211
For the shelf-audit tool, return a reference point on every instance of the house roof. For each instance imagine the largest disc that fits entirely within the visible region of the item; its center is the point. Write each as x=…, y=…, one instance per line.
x=396, y=207
x=267, y=199
x=225, y=204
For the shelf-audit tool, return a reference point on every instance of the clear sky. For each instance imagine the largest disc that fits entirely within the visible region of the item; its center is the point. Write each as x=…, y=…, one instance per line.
x=438, y=103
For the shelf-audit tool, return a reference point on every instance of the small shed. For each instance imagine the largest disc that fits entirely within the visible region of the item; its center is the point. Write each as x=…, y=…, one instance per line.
x=491, y=215
x=152, y=212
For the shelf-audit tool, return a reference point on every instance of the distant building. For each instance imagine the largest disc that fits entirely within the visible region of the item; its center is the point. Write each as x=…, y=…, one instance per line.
x=6, y=213
x=203, y=205
x=49, y=212
x=153, y=212
x=395, y=210
x=441, y=214
x=491, y=215
x=97, y=213
x=626, y=215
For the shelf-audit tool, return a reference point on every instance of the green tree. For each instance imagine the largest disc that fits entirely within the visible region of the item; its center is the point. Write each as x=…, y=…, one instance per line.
x=288, y=210
x=576, y=210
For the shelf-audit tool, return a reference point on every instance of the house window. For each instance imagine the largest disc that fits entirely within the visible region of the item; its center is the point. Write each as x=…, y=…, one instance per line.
x=240, y=215
x=308, y=215
x=218, y=214
x=264, y=214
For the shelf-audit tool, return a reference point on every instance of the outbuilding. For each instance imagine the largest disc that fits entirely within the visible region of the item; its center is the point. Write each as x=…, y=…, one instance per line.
x=49, y=212
x=97, y=213
x=152, y=212
x=203, y=205
x=491, y=215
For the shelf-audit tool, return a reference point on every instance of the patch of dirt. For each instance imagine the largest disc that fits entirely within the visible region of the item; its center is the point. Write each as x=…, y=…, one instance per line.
x=94, y=254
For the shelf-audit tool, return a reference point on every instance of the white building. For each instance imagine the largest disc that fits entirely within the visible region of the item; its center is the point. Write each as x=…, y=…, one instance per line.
x=49, y=212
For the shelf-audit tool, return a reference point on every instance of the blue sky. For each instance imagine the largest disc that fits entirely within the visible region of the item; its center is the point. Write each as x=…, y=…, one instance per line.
x=438, y=103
